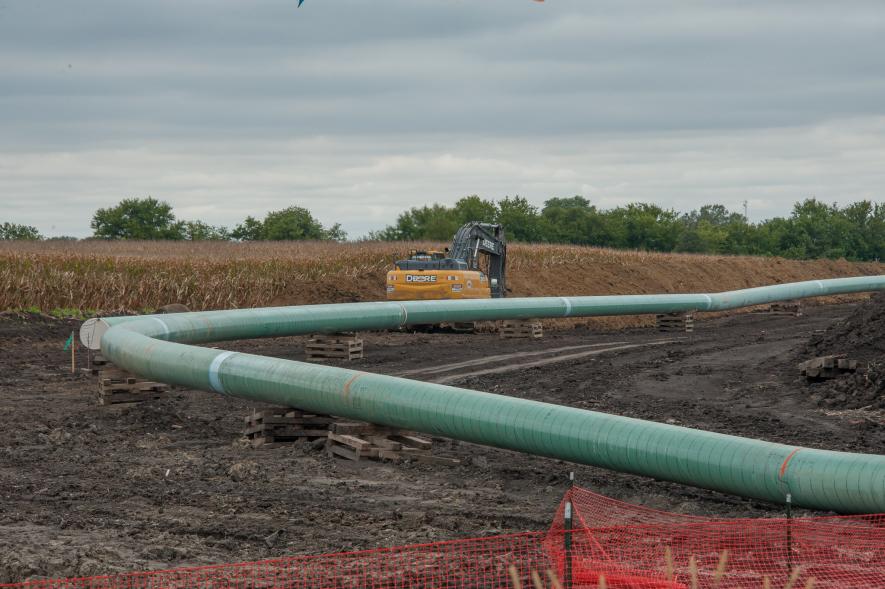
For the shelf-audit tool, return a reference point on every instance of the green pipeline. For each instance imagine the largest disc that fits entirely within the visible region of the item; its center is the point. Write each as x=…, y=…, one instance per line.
x=157, y=347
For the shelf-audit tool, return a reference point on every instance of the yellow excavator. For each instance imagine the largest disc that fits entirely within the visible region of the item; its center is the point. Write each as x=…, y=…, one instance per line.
x=473, y=268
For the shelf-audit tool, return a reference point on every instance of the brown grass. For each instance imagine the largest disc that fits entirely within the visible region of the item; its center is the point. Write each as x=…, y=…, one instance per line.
x=128, y=276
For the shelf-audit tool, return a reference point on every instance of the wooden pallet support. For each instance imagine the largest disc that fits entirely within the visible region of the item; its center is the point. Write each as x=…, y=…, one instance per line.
x=671, y=322
x=97, y=363
x=334, y=346
x=283, y=425
x=365, y=441
x=118, y=386
x=521, y=328
x=825, y=367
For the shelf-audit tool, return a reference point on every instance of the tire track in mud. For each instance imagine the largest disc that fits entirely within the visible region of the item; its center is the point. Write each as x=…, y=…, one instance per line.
x=500, y=357
x=520, y=365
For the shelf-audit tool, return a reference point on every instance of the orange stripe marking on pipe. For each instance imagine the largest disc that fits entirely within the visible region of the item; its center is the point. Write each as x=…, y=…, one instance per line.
x=350, y=382
x=783, y=469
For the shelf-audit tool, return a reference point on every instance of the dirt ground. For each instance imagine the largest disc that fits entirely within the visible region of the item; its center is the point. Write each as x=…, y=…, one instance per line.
x=86, y=489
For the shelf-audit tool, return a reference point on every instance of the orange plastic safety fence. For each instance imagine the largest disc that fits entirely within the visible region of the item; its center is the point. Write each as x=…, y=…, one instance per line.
x=637, y=546
x=627, y=545
x=481, y=562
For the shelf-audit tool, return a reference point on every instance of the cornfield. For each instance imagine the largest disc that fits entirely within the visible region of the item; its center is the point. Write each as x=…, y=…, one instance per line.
x=135, y=276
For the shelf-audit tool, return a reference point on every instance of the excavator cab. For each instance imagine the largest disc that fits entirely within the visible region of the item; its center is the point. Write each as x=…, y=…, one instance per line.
x=428, y=255
x=429, y=260
x=419, y=256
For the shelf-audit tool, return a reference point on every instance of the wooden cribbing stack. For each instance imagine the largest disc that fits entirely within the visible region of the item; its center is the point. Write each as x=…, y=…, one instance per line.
x=334, y=346
x=670, y=322
x=365, y=441
x=97, y=363
x=521, y=328
x=118, y=386
x=829, y=367
x=274, y=427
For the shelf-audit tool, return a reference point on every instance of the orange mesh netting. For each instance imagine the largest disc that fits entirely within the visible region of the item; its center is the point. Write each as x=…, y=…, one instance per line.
x=631, y=546
x=633, y=542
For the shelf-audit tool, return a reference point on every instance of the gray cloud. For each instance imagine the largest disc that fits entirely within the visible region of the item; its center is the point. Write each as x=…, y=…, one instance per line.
x=360, y=109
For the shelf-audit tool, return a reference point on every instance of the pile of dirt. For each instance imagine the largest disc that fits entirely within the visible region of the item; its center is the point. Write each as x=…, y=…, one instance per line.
x=863, y=390
x=861, y=336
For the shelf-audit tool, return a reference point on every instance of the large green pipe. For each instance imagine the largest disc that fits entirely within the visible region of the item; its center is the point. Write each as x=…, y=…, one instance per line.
x=155, y=347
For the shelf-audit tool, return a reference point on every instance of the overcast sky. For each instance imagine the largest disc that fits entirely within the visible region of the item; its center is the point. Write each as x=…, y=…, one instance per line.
x=359, y=109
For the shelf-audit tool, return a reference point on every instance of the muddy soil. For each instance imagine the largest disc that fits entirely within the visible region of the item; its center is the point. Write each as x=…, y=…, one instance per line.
x=86, y=489
x=861, y=336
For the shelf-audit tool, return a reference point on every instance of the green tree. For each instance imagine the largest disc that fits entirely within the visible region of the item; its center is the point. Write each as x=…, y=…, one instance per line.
x=572, y=220
x=819, y=230
x=742, y=238
x=290, y=224
x=335, y=233
x=714, y=215
x=137, y=218
x=251, y=229
x=775, y=237
x=436, y=222
x=473, y=208
x=708, y=230
x=644, y=226
x=200, y=231
x=573, y=203
x=814, y=228
x=866, y=240
x=520, y=219
x=15, y=231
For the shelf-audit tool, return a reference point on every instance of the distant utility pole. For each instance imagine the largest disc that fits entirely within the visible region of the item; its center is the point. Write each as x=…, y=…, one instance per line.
x=746, y=218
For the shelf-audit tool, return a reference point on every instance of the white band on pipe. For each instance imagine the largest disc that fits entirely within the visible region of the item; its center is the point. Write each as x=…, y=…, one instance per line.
x=214, y=381
x=568, y=306
x=405, y=315
x=163, y=323
x=821, y=285
x=709, y=301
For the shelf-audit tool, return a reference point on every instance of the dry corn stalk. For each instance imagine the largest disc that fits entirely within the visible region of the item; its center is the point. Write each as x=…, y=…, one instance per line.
x=554, y=579
x=133, y=276
x=514, y=577
x=536, y=580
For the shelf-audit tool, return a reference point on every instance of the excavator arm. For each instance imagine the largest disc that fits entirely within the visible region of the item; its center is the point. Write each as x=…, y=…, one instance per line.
x=474, y=239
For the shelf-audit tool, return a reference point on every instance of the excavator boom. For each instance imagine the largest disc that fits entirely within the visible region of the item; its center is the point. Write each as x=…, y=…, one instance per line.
x=473, y=239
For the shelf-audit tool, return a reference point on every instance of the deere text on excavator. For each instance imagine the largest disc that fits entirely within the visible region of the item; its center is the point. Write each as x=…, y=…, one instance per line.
x=473, y=268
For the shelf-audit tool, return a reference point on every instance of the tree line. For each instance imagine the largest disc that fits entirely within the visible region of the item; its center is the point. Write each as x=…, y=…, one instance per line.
x=151, y=219
x=814, y=229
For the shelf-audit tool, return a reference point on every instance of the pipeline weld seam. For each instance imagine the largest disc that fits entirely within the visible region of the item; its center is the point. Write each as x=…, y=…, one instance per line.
x=405, y=315
x=349, y=383
x=214, y=379
x=820, y=285
x=568, y=306
x=783, y=469
x=709, y=301
x=163, y=323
